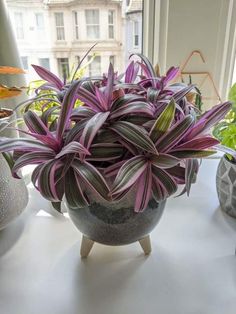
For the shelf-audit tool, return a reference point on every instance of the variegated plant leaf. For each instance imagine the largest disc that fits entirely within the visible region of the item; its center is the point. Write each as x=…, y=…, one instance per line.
x=163, y=122
x=135, y=135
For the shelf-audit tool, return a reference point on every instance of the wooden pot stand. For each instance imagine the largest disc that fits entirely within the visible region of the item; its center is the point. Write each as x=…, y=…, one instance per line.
x=87, y=244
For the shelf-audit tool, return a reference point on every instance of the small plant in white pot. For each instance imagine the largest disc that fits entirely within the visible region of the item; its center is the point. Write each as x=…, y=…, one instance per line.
x=119, y=156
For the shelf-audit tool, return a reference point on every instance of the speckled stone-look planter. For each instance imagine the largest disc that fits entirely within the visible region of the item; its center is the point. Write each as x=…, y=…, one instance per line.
x=226, y=186
x=13, y=195
x=116, y=223
x=13, y=192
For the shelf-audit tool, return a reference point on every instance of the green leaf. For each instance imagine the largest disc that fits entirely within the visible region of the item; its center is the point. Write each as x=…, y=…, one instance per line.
x=165, y=179
x=92, y=177
x=75, y=197
x=105, y=151
x=176, y=133
x=186, y=154
x=164, y=161
x=92, y=127
x=163, y=122
x=128, y=174
x=135, y=135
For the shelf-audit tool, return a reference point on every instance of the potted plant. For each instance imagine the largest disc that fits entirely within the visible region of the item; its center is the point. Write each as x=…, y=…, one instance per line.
x=225, y=132
x=118, y=157
x=13, y=192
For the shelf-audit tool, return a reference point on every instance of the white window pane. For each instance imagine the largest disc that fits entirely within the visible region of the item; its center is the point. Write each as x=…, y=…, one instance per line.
x=136, y=33
x=39, y=20
x=92, y=31
x=92, y=16
x=60, y=33
x=92, y=24
x=76, y=25
x=111, y=17
x=59, y=19
x=45, y=63
x=63, y=66
x=95, y=66
x=111, y=31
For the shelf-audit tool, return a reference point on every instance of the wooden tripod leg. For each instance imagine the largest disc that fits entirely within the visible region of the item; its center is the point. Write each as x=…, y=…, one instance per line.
x=146, y=245
x=86, y=246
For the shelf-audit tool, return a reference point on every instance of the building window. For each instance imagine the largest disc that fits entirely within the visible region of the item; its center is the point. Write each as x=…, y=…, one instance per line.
x=63, y=66
x=111, y=24
x=18, y=16
x=76, y=25
x=60, y=31
x=136, y=33
x=112, y=60
x=39, y=21
x=92, y=24
x=39, y=26
x=94, y=66
x=25, y=63
x=45, y=63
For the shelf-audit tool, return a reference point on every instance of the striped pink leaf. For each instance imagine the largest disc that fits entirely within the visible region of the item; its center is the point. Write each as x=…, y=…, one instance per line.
x=144, y=190
x=128, y=174
x=48, y=76
x=92, y=177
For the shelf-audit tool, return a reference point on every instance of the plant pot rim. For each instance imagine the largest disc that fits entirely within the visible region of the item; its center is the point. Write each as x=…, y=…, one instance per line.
x=6, y=118
x=229, y=161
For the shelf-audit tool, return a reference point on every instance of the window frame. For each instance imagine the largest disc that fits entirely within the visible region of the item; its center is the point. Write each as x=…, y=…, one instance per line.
x=111, y=25
x=60, y=69
x=92, y=24
x=76, y=25
x=90, y=65
x=60, y=27
x=136, y=36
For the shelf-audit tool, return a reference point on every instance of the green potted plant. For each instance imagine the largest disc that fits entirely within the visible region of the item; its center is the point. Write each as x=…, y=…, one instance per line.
x=118, y=157
x=225, y=132
x=13, y=192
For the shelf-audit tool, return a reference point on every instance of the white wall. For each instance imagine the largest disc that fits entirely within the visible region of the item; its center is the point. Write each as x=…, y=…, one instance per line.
x=205, y=25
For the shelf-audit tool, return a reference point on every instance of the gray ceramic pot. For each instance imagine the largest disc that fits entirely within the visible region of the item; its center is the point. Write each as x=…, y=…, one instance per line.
x=226, y=186
x=116, y=223
x=13, y=192
x=13, y=195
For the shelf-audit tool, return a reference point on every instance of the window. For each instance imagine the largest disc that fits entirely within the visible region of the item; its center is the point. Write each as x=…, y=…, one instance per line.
x=18, y=16
x=112, y=60
x=95, y=66
x=136, y=33
x=39, y=21
x=92, y=24
x=110, y=24
x=45, y=63
x=39, y=26
x=63, y=66
x=76, y=25
x=59, y=20
x=25, y=63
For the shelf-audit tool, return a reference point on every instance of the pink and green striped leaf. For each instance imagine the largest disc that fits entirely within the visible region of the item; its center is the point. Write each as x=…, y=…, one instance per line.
x=163, y=122
x=92, y=177
x=135, y=135
x=75, y=197
x=128, y=174
x=144, y=190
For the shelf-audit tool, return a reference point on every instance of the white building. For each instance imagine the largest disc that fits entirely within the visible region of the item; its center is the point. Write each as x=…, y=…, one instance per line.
x=133, y=10
x=56, y=34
